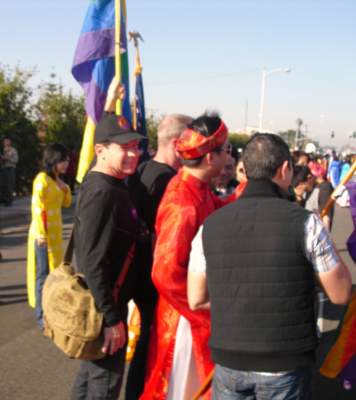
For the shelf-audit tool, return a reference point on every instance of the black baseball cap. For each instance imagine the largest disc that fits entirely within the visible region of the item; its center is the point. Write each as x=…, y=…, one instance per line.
x=115, y=128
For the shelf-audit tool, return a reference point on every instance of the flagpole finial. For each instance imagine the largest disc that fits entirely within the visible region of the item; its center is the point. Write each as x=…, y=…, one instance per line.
x=135, y=37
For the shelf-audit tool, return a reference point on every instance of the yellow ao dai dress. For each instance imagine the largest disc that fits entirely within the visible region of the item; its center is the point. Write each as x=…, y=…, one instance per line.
x=47, y=201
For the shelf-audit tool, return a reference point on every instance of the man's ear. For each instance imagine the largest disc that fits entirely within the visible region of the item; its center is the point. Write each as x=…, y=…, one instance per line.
x=282, y=171
x=210, y=158
x=285, y=169
x=98, y=148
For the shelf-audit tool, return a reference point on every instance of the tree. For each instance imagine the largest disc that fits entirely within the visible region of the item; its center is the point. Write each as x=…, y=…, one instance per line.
x=16, y=123
x=238, y=140
x=289, y=137
x=60, y=116
x=152, y=122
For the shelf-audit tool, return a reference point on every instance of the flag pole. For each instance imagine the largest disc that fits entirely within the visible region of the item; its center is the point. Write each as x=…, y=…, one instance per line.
x=137, y=71
x=118, y=16
x=343, y=182
x=205, y=386
x=135, y=36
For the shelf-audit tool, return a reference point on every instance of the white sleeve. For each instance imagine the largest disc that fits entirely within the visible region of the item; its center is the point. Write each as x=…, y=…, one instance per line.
x=319, y=247
x=197, y=260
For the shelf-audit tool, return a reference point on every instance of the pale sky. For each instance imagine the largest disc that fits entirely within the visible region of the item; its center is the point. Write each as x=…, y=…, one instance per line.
x=205, y=54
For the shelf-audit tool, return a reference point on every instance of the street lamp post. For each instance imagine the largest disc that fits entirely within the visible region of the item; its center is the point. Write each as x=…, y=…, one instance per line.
x=263, y=85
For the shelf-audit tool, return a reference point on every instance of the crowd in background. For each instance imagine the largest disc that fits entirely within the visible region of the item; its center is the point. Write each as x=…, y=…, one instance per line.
x=315, y=178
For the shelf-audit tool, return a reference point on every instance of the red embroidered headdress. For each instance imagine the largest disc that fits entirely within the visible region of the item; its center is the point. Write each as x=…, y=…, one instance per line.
x=192, y=144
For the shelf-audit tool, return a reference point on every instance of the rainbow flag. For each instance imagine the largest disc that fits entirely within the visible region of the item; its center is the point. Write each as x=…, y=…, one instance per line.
x=351, y=242
x=94, y=68
x=344, y=348
x=341, y=359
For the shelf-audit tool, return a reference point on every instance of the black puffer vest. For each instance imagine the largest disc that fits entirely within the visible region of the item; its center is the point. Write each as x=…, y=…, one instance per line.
x=261, y=285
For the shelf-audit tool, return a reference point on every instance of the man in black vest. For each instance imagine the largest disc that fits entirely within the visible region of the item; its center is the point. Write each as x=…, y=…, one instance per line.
x=254, y=263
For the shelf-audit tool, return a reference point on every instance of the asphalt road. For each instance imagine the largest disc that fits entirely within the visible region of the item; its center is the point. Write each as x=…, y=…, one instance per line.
x=31, y=368
x=30, y=365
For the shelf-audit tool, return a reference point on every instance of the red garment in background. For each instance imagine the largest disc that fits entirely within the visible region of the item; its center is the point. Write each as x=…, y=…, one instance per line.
x=185, y=205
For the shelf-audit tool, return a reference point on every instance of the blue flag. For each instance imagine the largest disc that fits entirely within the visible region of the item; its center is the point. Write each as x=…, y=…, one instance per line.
x=140, y=106
x=139, y=109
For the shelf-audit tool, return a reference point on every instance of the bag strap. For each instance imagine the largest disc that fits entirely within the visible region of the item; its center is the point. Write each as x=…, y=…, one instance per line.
x=68, y=255
x=125, y=269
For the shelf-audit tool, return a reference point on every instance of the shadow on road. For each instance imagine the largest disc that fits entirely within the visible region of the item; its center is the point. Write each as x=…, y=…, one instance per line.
x=12, y=287
x=16, y=301
x=12, y=260
x=12, y=294
x=13, y=240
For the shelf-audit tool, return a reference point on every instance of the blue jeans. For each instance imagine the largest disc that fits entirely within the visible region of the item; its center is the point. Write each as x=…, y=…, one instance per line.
x=42, y=270
x=230, y=384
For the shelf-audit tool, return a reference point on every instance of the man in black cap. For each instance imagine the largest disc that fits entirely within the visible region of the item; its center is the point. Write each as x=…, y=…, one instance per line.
x=106, y=227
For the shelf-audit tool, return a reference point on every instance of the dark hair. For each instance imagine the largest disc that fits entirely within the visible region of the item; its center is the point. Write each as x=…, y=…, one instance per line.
x=206, y=125
x=53, y=154
x=263, y=155
x=347, y=159
x=303, y=154
x=313, y=157
x=295, y=156
x=300, y=174
x=234, y=154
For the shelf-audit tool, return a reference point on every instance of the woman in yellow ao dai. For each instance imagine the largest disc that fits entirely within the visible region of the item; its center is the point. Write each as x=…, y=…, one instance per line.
x=49, y=195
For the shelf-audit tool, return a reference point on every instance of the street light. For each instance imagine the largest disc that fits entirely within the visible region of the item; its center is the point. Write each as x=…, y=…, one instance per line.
x=264, y=76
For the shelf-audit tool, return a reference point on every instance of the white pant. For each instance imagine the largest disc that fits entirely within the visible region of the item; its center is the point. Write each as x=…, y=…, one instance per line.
x=184, y=381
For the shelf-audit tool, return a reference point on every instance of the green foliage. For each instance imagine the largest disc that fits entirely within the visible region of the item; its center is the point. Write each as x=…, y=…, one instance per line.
x=238, y=140
x=60, y=115
x=152, y=122
x=16, y=123
x=56, y=115
x=289, y=137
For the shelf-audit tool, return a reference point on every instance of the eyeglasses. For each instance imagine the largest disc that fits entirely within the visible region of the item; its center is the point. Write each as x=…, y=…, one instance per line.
x=227, y=149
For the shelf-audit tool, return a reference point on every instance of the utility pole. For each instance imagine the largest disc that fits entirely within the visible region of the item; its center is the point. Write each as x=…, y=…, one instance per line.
x=299, y=123
x=263, y=85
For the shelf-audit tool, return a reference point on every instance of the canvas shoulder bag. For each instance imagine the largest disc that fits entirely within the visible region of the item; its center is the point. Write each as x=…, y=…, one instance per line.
x=71, y=319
